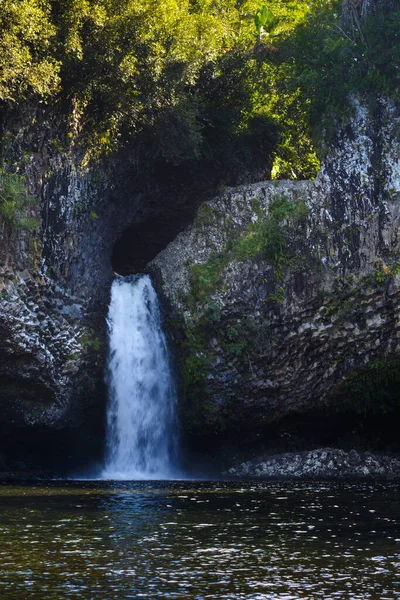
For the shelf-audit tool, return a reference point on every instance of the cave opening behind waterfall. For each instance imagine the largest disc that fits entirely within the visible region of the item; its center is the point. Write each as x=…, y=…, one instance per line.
x=169, y=198
x=140, y=243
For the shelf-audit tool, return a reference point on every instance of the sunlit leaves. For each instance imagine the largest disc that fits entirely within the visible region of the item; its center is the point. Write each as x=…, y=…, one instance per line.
x=265, y=20
x=26, y=35
x=202, y=76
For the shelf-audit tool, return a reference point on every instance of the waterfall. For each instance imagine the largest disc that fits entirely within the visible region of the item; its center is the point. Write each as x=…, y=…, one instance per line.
x=141, y=432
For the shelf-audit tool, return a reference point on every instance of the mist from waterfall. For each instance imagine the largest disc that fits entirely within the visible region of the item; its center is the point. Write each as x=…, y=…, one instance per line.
x=141, y=421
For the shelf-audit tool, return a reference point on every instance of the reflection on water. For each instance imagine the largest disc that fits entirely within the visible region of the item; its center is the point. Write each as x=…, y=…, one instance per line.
x=200, y=540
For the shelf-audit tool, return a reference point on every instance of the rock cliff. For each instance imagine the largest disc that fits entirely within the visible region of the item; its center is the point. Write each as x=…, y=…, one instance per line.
x=277, y=296
x=59, y=247
x=284, y=296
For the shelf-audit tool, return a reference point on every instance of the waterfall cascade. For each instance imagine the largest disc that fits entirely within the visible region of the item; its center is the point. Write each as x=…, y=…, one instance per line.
x=141, y=430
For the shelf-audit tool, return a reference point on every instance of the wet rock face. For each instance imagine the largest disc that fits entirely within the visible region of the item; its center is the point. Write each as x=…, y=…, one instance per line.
x=44, y=351
x=54, y=283
x=281, y=291
x=52, y=335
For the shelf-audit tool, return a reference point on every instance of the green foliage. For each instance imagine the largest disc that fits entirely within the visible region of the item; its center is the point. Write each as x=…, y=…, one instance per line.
x=276, y=298
x=196, y=360
x=238, y=135
x=236, y=341
x=374, y=389
x=26, y=37
x=184, y=78
x=236, y=84
x=15, y=201
x=128, y=68
x=246, y=337
x=90, y=342
x=205, y=215
x=195, y=363
x=326, y=64
x=265, y=21
x=295, y=156
x=205, y=278
x=383, y=272
x=268, y=235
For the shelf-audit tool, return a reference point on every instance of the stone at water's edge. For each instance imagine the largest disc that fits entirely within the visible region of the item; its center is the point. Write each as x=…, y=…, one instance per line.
x=320, y=463
x=259, y=340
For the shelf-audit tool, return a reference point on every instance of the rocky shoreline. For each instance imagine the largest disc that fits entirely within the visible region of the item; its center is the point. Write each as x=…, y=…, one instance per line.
x=323, y=463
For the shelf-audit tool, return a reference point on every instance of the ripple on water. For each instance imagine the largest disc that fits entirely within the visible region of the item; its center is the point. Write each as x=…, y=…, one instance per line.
x=191, y=540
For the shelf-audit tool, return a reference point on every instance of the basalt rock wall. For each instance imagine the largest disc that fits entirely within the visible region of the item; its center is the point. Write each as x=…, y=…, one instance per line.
x=280, y=293
x=56, y=271
x=275, y=295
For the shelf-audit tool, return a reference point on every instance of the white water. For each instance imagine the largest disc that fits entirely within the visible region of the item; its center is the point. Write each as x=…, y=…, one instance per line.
x=141, y=432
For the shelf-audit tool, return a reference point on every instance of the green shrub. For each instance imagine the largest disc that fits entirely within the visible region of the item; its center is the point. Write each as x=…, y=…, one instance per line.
x=374, y=389
x=327, y=64
x=229, y=89
x=206, y=277
x=15, y=202
x=249, y=337
x=268, y=235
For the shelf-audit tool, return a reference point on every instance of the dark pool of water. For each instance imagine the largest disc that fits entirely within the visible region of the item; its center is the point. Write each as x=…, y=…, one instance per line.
x=203, y=540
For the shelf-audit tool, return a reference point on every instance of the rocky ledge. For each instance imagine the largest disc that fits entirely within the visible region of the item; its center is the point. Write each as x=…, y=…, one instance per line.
x=321, y=463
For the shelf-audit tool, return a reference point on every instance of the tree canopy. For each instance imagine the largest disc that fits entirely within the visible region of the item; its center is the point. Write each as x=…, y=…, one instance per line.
x=239, y=82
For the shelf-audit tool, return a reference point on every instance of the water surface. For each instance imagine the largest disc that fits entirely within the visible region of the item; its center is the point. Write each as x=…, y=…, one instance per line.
x=203, y=540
